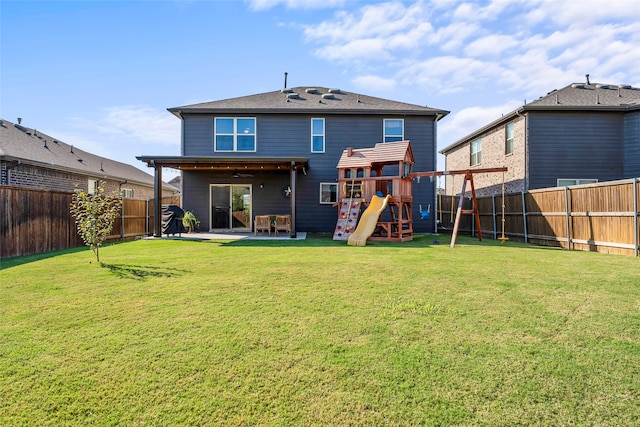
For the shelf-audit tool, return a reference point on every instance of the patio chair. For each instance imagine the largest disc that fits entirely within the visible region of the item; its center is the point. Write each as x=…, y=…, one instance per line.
x=261, y=223
x=283, y=223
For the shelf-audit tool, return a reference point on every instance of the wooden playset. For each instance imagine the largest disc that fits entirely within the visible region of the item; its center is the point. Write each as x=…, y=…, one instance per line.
x=386, y=171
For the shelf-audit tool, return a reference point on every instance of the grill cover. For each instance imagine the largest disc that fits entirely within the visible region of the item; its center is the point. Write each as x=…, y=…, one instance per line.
x=172, y=219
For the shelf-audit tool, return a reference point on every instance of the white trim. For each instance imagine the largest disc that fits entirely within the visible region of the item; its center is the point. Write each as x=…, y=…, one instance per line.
x=577, y=181
x=478, y=153
x=384, y=128
x=324, y=135
x=235, y=135
x=336, y=192
x=506, y=138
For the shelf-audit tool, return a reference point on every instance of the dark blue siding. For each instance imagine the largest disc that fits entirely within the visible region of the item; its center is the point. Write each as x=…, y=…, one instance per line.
x=198, y=135
x=574, y=145
x=632, y=145
x=288, y=135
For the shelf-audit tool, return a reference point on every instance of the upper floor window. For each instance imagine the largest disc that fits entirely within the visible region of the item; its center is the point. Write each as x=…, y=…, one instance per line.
x=92, y=187
x=508, y=146
x=393, y=130
x=235, y=134
x=317, y=135
x=476, y=152
x=127, y=193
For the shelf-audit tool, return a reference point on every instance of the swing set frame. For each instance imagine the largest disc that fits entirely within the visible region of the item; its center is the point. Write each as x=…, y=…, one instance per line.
x=468, y=178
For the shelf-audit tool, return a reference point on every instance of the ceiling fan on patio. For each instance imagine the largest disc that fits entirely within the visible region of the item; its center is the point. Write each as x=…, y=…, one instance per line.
x=237, y=174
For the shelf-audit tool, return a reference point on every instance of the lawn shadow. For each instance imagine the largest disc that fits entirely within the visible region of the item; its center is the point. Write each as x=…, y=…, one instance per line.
x=141, y=272
x=25, y=259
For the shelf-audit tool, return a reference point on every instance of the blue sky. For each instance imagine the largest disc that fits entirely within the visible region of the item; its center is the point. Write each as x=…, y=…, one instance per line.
x=101, y=74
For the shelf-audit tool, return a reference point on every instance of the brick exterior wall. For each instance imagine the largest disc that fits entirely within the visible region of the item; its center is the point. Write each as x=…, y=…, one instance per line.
x=493, y=155
x=24, y=175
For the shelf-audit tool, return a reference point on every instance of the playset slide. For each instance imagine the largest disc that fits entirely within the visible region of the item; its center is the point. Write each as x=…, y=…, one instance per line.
x=368, y=221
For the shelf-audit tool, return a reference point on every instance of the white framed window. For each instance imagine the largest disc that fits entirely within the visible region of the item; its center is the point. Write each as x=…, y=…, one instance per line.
x=127, y=193
x=476, y=152
x=328, y=193
x=317, y=135
x=393, y=130
x=235, y=134
x=509, y=136
x=92, y=186
x=566, y=182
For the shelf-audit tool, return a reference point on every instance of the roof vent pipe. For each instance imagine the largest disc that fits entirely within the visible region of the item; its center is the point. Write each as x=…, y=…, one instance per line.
x=587, y=76
x=285, y=79
x=19, y=120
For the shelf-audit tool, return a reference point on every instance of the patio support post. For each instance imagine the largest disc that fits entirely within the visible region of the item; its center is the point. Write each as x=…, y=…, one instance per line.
x=157, y=195
x=293, y=200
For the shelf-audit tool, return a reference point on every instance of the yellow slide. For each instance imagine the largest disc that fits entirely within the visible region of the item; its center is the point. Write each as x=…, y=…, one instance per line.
x=368, y=221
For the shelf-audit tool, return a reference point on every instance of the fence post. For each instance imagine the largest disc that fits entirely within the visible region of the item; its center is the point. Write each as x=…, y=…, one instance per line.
x=635, y=214
x=524, y=218
x=122, y=208
x=568, y=216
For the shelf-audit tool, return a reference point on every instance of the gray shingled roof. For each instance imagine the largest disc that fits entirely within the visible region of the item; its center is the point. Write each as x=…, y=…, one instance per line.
x=594, y=95
x=575, y=97
x=309, y=99
x=34, y=147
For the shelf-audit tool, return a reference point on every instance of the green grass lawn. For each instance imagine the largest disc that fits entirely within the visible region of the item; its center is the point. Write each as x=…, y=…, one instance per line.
x=316, y=333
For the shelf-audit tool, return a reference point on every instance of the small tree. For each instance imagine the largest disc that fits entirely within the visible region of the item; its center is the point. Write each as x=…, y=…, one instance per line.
x=94, y=215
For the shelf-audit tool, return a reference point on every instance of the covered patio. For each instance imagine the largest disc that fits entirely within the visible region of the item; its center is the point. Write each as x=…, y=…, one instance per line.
x=235, y=166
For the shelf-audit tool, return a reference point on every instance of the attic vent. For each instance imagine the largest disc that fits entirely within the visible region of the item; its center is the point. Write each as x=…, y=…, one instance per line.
x=293, y=95
x=578, y=86
x=334, y=90
x=328, y=96
x=286, y=90
x=312, y=90
x=624, y=86
x=601, y=86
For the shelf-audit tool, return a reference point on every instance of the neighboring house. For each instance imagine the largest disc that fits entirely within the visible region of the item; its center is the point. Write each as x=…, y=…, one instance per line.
x=32, y=159
x=277, y=153
x=583, y=133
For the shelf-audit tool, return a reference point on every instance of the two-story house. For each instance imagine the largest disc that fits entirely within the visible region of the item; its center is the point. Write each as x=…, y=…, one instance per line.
x=582, y=133
x=32, y=159
x=277, y=153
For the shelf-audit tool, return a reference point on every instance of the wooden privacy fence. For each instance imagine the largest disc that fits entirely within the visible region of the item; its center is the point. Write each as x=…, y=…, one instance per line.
x=600, y=217
x=37, y=221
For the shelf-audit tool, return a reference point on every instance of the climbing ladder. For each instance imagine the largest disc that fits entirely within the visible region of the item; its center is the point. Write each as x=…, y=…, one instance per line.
x=347, y=219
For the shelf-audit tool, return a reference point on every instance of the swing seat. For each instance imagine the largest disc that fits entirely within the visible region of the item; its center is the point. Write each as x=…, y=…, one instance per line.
x=424, y=215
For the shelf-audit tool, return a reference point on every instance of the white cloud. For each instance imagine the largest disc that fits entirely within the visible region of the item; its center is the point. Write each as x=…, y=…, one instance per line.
x=375, y=83
x=583, y=13
x=467, y=120
x=491, y=45
x=294, y=4
x=448, y=74
x=376, y=32
x=527, y=47
x=139, y=124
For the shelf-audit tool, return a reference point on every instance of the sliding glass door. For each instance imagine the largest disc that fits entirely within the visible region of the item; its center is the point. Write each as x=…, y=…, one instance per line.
x=231, y=207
